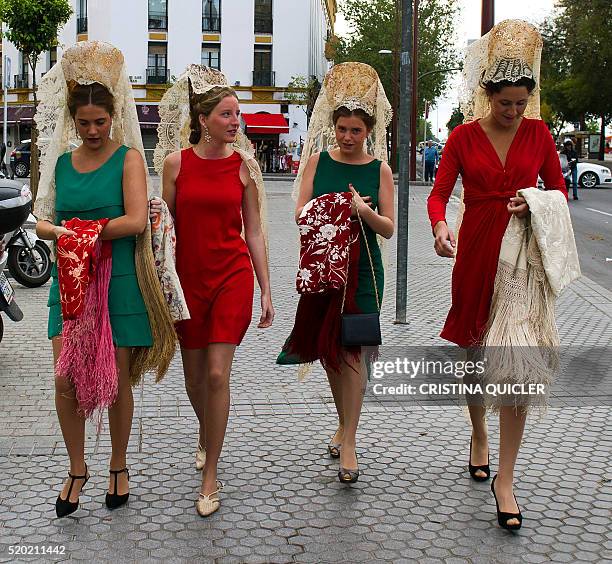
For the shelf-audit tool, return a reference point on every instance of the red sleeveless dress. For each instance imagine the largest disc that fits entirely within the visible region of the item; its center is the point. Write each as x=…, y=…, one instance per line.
x=212, y=258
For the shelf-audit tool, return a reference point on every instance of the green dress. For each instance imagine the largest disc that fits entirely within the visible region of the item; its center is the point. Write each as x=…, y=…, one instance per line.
x=333, y=176
x=96, y=195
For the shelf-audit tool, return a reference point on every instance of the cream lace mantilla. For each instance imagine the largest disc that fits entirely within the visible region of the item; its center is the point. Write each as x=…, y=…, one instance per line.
x=510, y=51
x=354, y=86
x=173, y=130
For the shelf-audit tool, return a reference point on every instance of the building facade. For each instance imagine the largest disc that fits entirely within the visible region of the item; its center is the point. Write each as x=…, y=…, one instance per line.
x=260, y=45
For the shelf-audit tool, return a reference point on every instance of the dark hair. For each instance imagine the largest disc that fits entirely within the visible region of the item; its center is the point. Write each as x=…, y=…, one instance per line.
x=205, y=104
x=85, y=94
x=367, y=119
x=497, y=87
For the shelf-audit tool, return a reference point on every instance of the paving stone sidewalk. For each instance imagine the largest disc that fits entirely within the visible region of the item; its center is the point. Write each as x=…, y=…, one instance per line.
x=414, y=501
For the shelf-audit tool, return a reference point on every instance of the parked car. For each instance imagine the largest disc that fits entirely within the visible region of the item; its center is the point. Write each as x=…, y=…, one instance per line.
x=20, y=159
x=592, y=175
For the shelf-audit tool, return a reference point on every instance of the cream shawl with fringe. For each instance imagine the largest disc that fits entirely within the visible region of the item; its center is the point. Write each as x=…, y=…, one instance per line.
x=537, y=260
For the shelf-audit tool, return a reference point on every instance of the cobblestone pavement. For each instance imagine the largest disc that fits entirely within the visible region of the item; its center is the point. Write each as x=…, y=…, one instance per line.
x=282, y=502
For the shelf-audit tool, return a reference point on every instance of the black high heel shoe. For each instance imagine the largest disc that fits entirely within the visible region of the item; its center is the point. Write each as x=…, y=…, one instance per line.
x=484, y=468
x=502, y=516
x=114, y=500
x=64, y=507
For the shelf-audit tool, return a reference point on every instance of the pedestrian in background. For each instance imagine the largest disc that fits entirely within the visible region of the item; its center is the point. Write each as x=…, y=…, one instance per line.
x=503, y=148
x=572, y=161
x=214, y=189
x=87, y=97
x=353, y=107
x=431, y=157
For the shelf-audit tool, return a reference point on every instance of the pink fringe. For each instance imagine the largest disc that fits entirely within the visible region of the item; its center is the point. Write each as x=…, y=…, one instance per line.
x=88, y=354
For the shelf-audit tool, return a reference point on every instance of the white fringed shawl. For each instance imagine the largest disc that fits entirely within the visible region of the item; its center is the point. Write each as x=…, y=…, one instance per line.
x=537, y=260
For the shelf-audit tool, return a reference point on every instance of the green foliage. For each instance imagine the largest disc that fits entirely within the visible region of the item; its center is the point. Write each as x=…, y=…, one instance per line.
x=576, y=60
x=456, y=119
x=33, y=24
x=375, y=25
x=304, y=92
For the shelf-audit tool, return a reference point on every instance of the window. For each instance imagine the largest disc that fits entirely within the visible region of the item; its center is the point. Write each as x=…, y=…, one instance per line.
x=52, y=56
x=211, y=15
x=81, y=16
x=263, y=16
x=211, y=55
x=157, y=70
x=22, y=79
x=262, y=66
x=158, y=14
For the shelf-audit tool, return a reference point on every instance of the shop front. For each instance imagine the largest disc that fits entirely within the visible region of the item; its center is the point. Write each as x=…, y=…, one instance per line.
x=264, y=131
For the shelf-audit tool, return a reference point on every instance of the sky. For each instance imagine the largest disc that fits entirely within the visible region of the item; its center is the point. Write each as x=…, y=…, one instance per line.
x=468, y=27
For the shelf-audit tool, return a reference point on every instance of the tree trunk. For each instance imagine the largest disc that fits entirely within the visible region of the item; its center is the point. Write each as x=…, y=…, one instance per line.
x=602, y=139
x=34, y=159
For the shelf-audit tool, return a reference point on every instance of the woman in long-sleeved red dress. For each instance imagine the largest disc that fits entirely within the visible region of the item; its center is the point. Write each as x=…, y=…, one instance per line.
x=495, y=156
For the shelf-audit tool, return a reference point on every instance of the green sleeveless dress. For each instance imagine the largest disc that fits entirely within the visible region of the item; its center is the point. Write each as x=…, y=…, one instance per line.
x=96, y=195
x=333, y=176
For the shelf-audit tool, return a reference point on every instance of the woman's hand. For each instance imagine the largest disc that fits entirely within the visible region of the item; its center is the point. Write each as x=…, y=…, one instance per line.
x=444, y=243
x=518, y=206
x=60, y=231
x=359, y=203
x=155, y=208
x=267, y=312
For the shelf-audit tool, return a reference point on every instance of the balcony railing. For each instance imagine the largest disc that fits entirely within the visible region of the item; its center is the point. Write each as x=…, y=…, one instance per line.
x=21, y=81
x=158, y=20
x=211, y=24
x=263, y=25
x=264, y=78
x=158, y=75
x=82, y=25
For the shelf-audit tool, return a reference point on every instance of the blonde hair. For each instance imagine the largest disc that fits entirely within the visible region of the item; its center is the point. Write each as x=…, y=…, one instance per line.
x=204, y=104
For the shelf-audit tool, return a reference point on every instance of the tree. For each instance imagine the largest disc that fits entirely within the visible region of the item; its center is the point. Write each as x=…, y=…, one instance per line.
x=456, y=119
x=578, y=40
x=304, y=92
x=375, y=27
x=33, y=28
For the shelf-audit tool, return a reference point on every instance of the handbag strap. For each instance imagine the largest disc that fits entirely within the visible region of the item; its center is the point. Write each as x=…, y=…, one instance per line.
x=365, y=238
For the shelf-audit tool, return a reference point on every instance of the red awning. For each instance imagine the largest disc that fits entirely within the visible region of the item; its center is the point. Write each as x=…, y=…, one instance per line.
x=265, y=123
x=19, y=113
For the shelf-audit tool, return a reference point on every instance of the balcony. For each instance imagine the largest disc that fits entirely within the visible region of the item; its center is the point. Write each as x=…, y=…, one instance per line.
x=263, y=25
x=21, y=81
x=211, y=24
x=158, y=21
x=82, y=25
x=264, y=78
x=158, y=75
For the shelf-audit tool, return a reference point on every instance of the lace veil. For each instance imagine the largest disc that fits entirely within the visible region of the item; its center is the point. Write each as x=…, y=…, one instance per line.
x=85, y=63
x=354, y=86
x=173, y=130
x=510, y=51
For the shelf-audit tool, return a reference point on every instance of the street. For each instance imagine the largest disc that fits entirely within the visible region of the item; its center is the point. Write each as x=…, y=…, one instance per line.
x=282, y=502
x=592, y=221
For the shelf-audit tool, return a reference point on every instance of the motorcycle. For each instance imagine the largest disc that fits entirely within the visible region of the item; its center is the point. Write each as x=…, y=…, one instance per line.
x=29, y=259
x=15, y=207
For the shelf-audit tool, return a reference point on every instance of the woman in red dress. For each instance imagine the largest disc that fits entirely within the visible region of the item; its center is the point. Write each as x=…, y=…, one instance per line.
x=210, y=190
x=495, y=156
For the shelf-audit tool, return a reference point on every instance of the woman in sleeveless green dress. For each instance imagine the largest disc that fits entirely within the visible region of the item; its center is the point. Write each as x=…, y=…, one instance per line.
x=100, y=179
x=371, y=181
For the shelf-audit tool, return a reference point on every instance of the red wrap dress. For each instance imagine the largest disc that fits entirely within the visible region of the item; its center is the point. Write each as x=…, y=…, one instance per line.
x=212, y=258
x=488, y=186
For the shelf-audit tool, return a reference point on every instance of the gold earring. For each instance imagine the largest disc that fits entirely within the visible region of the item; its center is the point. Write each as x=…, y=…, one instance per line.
x=206, y=133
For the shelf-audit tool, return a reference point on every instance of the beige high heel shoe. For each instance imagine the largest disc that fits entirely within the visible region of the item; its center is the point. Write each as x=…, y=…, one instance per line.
x=207, y=504
x=200, y=458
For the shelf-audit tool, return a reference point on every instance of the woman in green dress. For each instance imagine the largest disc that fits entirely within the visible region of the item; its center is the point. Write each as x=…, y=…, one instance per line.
x=100, y=179
x=353, y=100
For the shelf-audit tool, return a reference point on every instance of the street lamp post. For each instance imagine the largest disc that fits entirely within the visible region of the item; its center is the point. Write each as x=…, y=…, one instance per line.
x=488, y=16
x=403, y=192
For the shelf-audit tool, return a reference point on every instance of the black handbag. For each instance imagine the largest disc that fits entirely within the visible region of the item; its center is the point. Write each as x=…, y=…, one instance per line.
x=361, y=329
